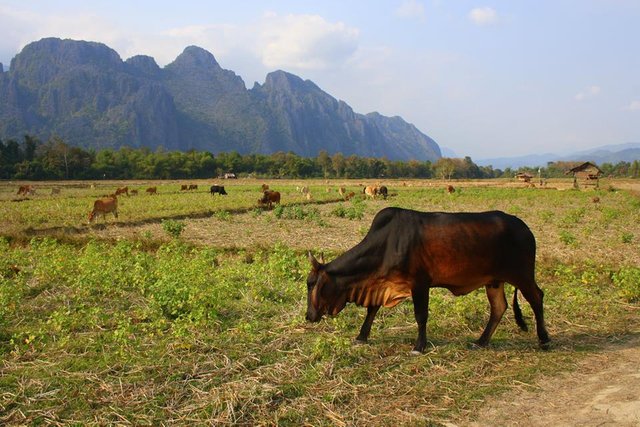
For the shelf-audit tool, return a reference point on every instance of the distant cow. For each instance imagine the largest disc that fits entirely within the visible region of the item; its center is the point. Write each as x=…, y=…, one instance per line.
x=450, y=189
x=193, y=186
x=370, y=191
x=152, y=190
x=350, y=196
x=269, y=198
x=217, y=189
x=382, y=190
x=103, y=207
x=26, y=190
x=122, y=190
x=184, y=187
x=264, y=187
x=342, y=192
x=406, y=253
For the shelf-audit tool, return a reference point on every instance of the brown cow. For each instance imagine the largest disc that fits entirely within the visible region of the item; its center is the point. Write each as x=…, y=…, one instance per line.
x=103, y=207
x=26, y=190
x=152, y=190
x=450, y=189
x=193, y=187
x=184, y=187
x=406, y=252
x=269, y=197
x=122, y=190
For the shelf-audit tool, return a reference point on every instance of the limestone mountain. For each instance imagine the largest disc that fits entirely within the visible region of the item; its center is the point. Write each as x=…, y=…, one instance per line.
x=84, y=93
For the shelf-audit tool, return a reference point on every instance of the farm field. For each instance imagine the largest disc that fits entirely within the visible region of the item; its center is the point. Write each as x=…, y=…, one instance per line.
x=189, y=308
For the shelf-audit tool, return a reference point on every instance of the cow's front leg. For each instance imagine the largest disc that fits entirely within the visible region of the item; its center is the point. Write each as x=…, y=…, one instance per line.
x=420, y=297
x=368, y=321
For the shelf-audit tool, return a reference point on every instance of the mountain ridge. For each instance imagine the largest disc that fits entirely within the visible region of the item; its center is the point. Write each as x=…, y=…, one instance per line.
x=86, y=94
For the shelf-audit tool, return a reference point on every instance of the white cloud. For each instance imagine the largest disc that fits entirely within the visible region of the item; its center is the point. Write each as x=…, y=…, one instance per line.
x=587, y=93
x=411, y=9
x=634, y=106
x=483, y=16
x=305, y=42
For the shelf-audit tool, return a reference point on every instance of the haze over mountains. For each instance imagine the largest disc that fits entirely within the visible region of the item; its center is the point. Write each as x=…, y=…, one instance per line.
x=84, y=93
x=605, y=154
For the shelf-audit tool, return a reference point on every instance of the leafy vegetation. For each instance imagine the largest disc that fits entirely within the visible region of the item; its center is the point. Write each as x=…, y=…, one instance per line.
x=55, y=159
x=108, y=329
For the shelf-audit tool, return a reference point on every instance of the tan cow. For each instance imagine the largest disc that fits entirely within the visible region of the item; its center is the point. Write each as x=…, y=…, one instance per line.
x=152, y=190
x=371, y=191
x=103, y=207
x=264, y=187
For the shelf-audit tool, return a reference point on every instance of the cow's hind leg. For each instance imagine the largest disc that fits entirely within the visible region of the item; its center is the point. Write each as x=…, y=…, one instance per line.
x=363, y=336
x=420, y=297
x=534, y=295
x=498, y=304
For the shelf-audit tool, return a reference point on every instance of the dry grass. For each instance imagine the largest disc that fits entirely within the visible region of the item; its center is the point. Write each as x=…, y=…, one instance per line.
x=257, y=362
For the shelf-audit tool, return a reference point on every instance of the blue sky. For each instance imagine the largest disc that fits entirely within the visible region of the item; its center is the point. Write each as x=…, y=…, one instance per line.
x=483, y=78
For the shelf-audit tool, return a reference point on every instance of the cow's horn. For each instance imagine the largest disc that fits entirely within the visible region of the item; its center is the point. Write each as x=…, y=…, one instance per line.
x=314, y=262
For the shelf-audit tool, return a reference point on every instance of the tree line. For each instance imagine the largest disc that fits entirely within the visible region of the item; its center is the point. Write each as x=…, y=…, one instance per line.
x=32, y=159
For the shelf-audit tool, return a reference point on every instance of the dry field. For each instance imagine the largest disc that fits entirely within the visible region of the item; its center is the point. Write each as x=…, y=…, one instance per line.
x=189, y=308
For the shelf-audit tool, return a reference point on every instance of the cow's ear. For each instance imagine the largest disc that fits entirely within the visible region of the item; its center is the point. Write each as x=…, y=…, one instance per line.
x=314, y=262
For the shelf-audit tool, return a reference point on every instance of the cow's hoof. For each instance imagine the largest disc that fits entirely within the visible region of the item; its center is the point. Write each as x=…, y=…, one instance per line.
x=476, y=346
x=415, y=353
x=360, y=341
x=546, y=346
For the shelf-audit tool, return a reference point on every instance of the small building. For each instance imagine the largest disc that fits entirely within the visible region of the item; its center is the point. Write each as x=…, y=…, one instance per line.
x=524, y=177
x=587, y=174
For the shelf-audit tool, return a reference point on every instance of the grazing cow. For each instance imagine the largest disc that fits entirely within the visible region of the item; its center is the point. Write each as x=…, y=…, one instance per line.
x=122, y=190
x=269, y=198
x=217, y=189
x=103, y=207
x=370, y=191
x=382, y=190
x=304, y=190
x=350, y=196
x=193, y=187
x=264, y=187
x=406, y=252
x=184, y=187
x=26, y=190
x=450, y=189
x=134, y=192
x=152, y=190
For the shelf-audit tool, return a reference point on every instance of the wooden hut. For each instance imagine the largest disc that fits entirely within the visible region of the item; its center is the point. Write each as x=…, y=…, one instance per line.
x=524, y=177
x=587, y=174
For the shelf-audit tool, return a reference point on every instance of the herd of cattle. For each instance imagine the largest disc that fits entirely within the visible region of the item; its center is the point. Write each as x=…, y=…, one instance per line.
x=108, y=203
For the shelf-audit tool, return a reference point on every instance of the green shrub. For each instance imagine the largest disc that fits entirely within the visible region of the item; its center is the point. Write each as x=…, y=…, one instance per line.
x=173, y=228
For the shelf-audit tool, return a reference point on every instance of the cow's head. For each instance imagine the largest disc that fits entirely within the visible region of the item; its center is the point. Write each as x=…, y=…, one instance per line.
x=92, y=215
x=322, y=294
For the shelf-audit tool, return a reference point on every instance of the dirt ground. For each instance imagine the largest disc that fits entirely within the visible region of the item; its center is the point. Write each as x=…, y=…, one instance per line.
x=604, y=390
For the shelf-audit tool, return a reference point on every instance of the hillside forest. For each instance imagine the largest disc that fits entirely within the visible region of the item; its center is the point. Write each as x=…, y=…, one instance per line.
x=32, y=159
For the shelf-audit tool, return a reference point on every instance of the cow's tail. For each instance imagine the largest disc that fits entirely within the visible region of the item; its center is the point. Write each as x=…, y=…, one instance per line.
x=518, y=313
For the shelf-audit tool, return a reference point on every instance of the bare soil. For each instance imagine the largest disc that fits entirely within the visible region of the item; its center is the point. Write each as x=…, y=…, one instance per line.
x=604, y=390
